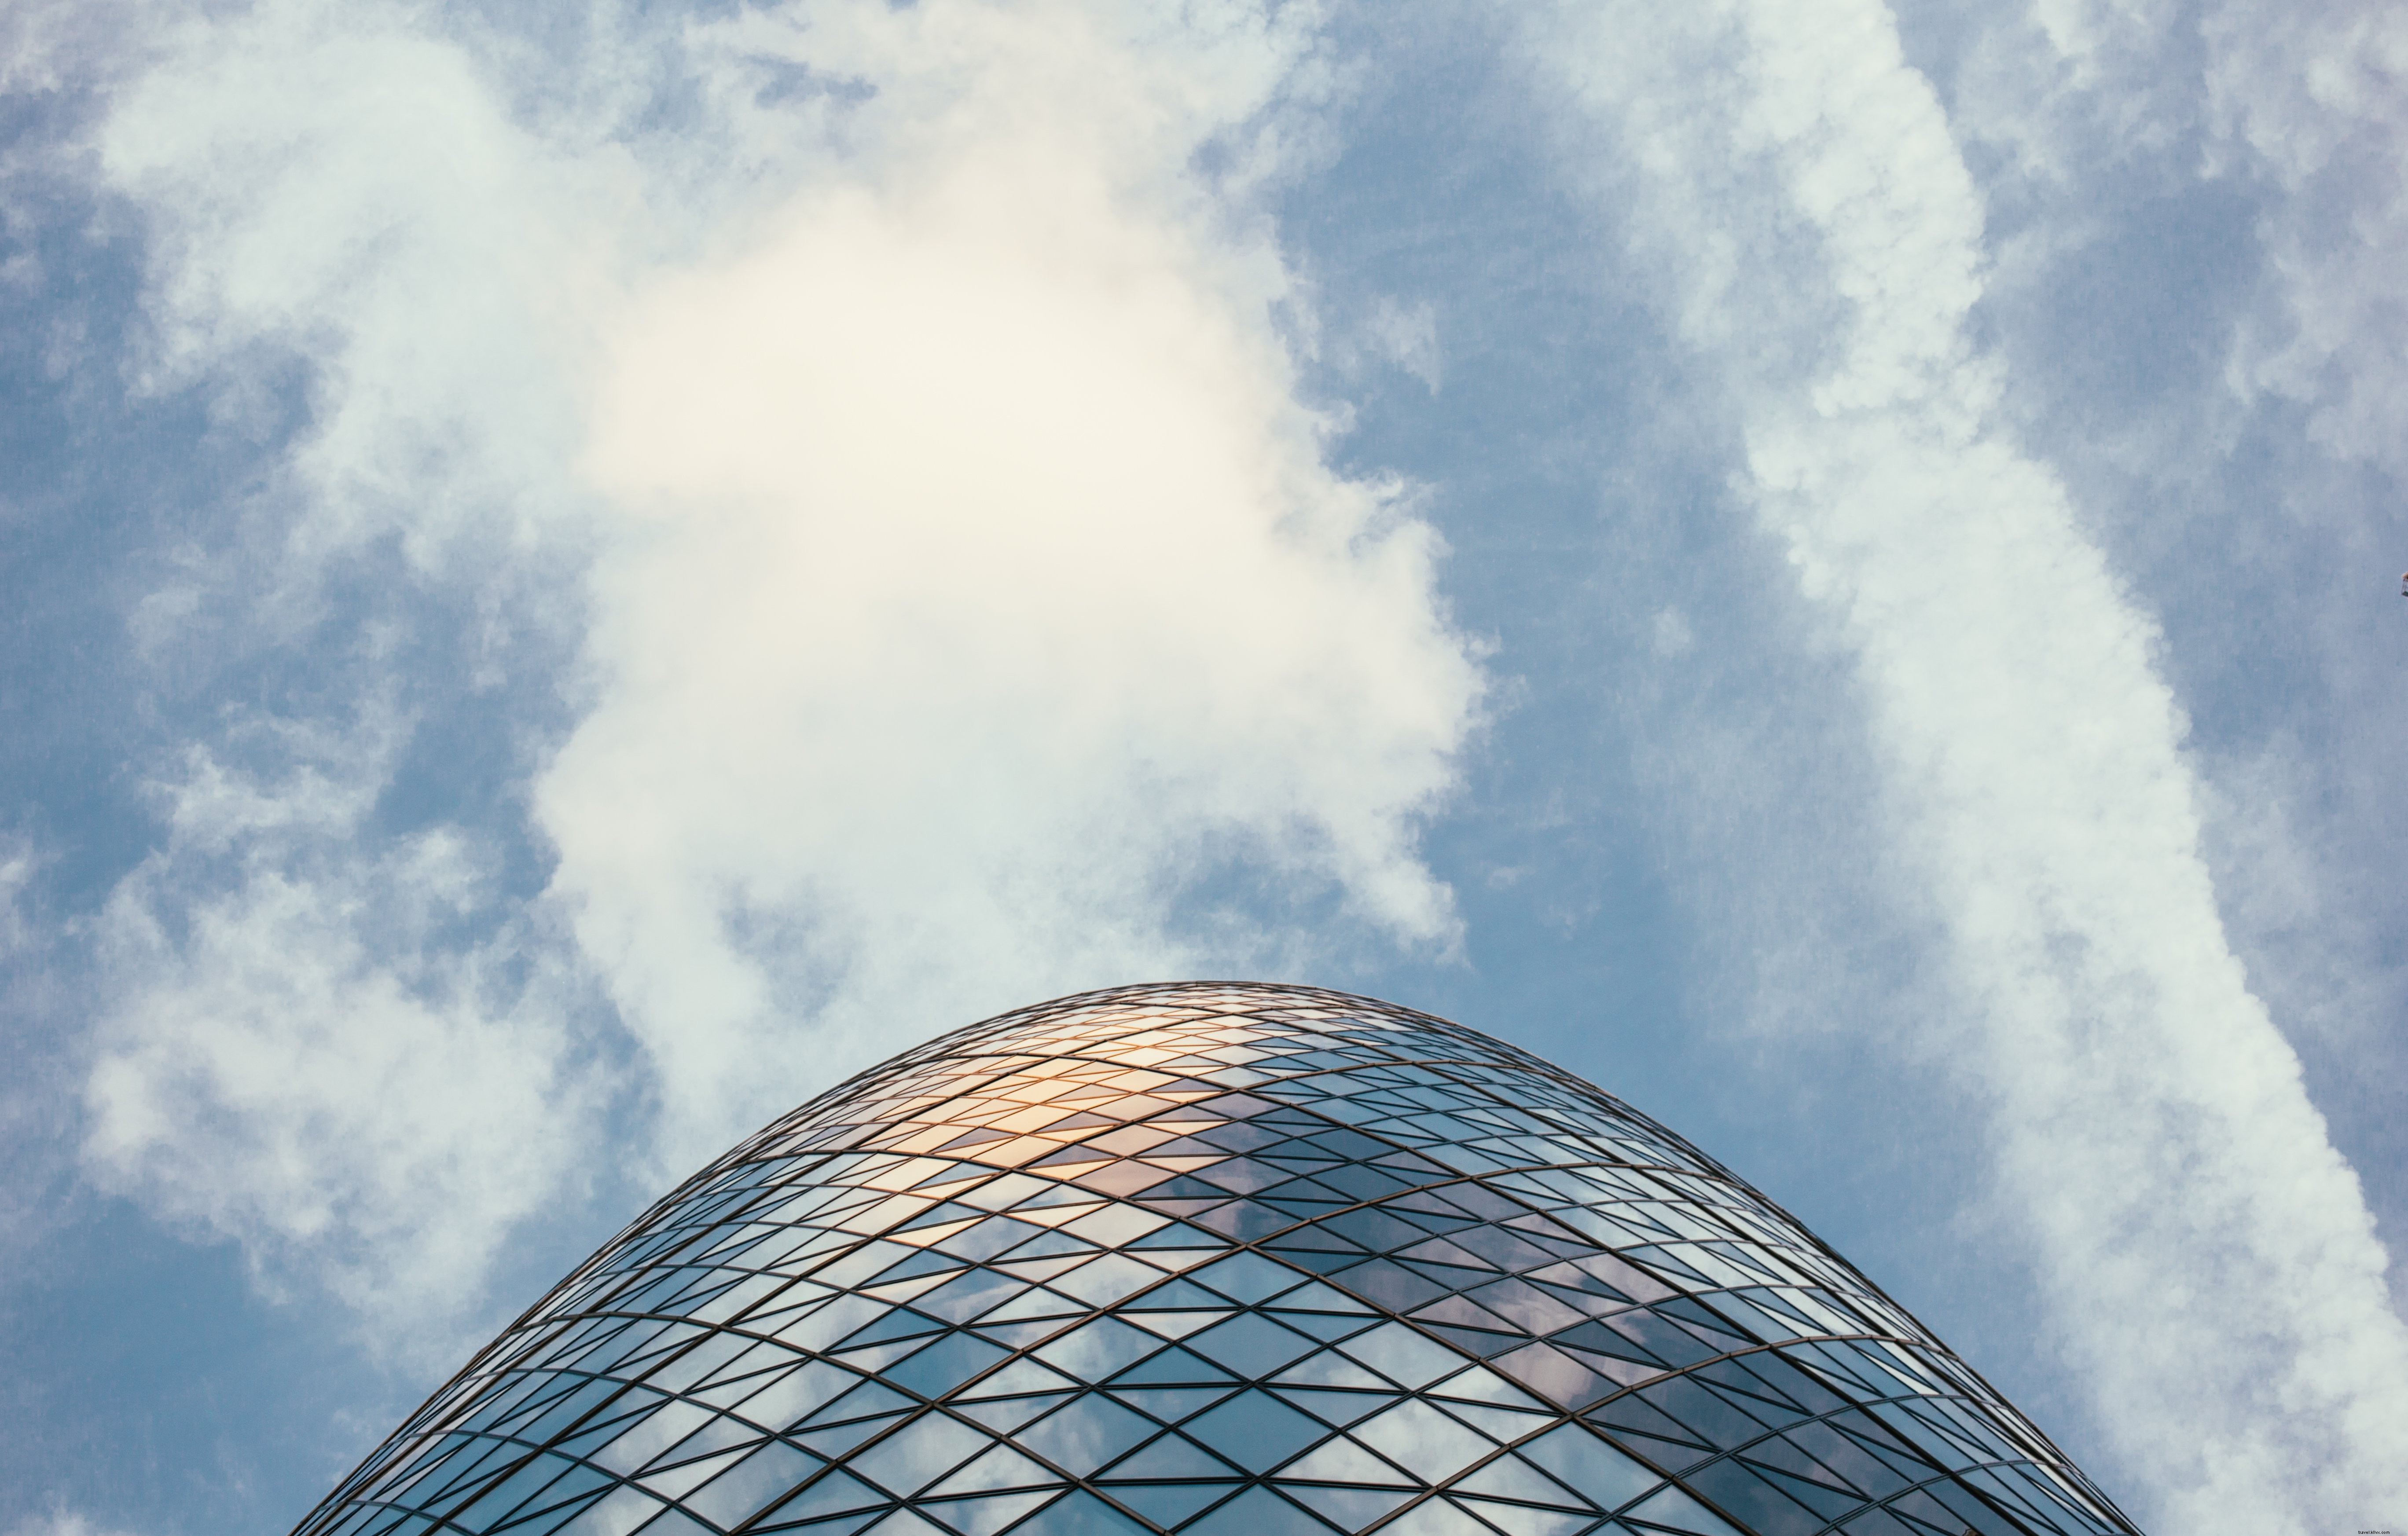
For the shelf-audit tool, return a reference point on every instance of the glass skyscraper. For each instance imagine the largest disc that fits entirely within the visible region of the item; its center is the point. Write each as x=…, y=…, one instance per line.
x=1221, y=1259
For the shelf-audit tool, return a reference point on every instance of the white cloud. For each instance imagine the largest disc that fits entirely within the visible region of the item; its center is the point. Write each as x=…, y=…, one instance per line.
x=2209, y=1260
x=986, y=591
x=2303, y=108
x=1407, y=336
x=316, y=1037
x=894, y=415
x=2237, y=172
x=331, y=187
x=2315, y=102
x=299, y=1057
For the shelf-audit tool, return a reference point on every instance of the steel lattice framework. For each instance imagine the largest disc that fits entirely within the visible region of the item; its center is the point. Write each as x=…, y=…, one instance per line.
x=1224, y=1259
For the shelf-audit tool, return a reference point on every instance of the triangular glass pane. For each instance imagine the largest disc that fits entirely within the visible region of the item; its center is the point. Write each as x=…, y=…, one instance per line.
x=1106, y=1280
x=903, y=1522
x=1510, y=1477
x=1166, y=1504
x=1347, y=1509
x=1248, y=1277
x=1178, y=1235
x=1085, y=1433
x=919, y=1453
x=1255, y=1431
x=1403, y=1356
x=1341, y=1460
x=1674, y=1510
x=1057, y=1246
x=865, y=1400
x=1338, y=1408
x=970, y=1294
x=836, y=1493
x=1499, y=1424
x=1828, y=1503
x=733, y=1497
x=1080, y=1514
x=1169, y=1404
x=1023, y=1375
x=1000, y=1467
x=1435, y=1516
x=1329, y=1327
x=1005, y=1415
x=1175, y=1324
x=786, y=1399
x=1251, y=1345
x=1521, y=1520
x=1181, y=1295
x=1416, y=1435
x=983, y=1516
x=1330, y=1369
x=1042, y=1268
x=944, y=1365
x=622, y=1510
x=1169, y=1456
x=1257, y=1512
x=558, y=1503
x=1097, y=1349
x=1020, y=1335
x=1171, y=1367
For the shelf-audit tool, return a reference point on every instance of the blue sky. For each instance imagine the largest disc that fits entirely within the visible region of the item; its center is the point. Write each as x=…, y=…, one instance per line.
x=1832, y=569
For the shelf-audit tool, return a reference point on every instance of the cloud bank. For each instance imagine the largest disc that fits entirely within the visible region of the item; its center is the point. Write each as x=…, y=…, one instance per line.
x=2209, y=1257
x=962, y=606
x=985, y=590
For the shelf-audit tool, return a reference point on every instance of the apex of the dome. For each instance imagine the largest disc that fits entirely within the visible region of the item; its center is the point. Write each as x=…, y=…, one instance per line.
x=1219, y=1258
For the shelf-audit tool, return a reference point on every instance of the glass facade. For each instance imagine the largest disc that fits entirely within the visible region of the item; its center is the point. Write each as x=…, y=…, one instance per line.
x=1221, y=1259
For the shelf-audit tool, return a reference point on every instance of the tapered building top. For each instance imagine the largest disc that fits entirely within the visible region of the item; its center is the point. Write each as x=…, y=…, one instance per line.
x=1224, y=1260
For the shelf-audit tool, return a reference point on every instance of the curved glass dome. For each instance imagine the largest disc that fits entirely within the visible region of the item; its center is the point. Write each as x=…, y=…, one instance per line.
x=1221, y=1260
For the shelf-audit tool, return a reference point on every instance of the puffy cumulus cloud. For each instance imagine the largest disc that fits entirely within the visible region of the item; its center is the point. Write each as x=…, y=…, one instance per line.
x=885, y=407
x=2304, y=110
x=2210, y=1263
x=334, y=194
x=2315, y=101
x=317, y=1035
x=303, y=1057
x=983, y=591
